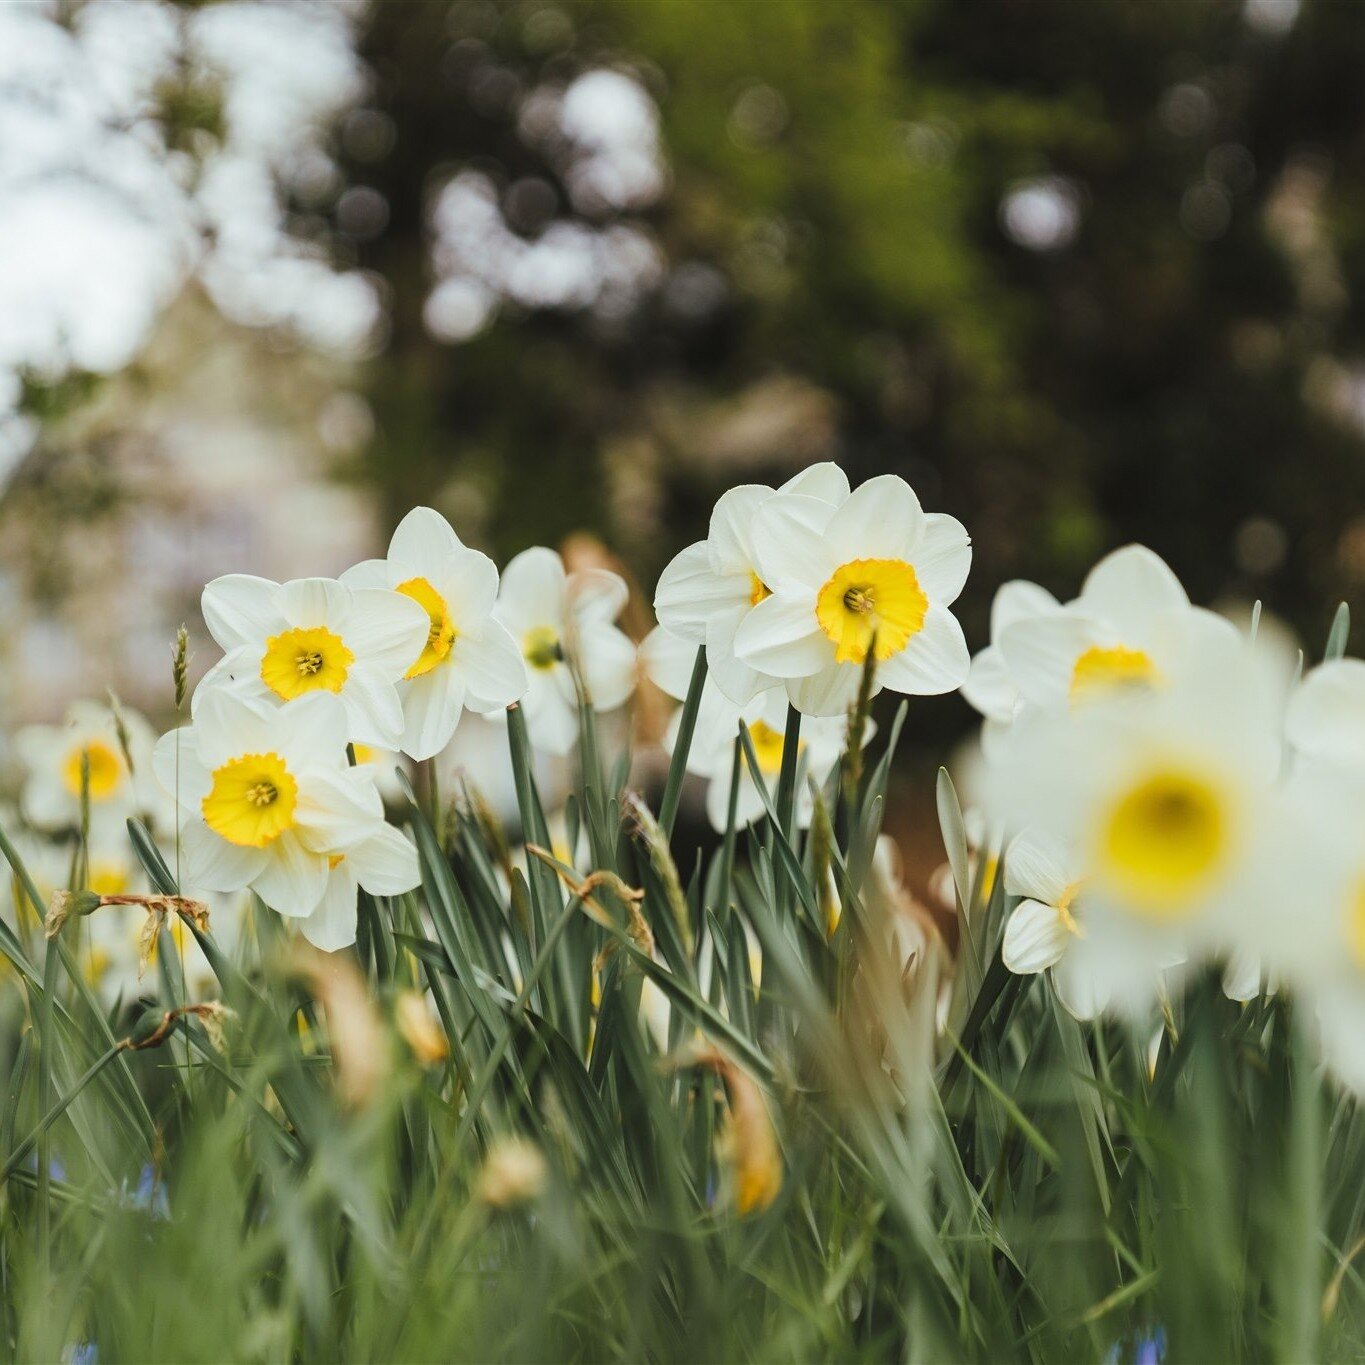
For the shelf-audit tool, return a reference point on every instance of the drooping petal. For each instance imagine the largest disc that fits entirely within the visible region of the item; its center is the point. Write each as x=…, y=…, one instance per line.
x=1130, y=588
x=943, y=557
x=315, y=602
x=880, y=519
x=788, y=538
x=607, y=658
x=532, y=591
x=291, y=879
x=828, y=692
x=211, y=862
x=241, y=609
x=386, y=630
x=385, y=862
x=422, y=541
x=431, y=711
x=332, y=924
x=782, y=636
x=374, y=712
x=494, y=671
x=1038, y=865
x=825, y=481
x=1082, y=993
x=1036, y=936
x=597, y=594
x=668, y=660
x=736, y=679
x=551, y=721
x=934, y=660
x=689, y=590
x=336, y=809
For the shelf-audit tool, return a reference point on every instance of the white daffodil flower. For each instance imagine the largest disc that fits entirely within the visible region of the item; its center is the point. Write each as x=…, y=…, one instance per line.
x=876, y=568
x=1045, y=931
x=668, y=661
x=1168, y=798
x=464, y=659
x=287, y=641
x=554, y=616
x=1132, y=626
x=989, y=687
x=268, y=802
x=709, y=588
x=53, y=757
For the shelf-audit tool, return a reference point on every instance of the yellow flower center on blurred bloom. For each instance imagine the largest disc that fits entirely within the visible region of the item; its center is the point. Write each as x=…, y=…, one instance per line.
x=768, y=746
x=758, y=589
x=1355, y=926
x=108, y=879
x=1102, y=669
x=106, y=769
x=1163, y=840
x=868, y=597
x=305, y=660
x=252, y=800
x=441, y=631
x=97, y=962
x=541, y=647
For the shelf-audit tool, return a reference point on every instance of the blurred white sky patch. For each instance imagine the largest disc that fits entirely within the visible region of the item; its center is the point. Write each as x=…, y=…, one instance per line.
x=601, y=136
x=102, y=222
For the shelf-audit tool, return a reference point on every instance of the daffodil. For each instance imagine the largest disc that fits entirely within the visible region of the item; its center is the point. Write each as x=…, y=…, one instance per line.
x=284, y=642
x=557, y=617
x=710, y=587
x=463, y=658
x=1132, y=627
x=668, y=661
x=54, y=758
x=874, y=575
x=268, y=802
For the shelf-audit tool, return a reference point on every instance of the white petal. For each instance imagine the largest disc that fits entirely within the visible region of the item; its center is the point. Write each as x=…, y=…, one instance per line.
x=48, y=803
x=1242, y=977
x=386, y=862
x=668, y=660
x=422, y=540
x=881, y=519
x=175, y=761
x=825, y=481
x=1326, y=717
x=689, y=590
x=1016, y=600
x=336, y=809
x=332, y=925
x=788, y=536
x=934, y=660
x=1078, y=988
x=1038, y=865
x=607, y=657
x=241, y=609
x=310, y=731
x=828, y=692
x=943, y=557
x=385, y=629
x=494, y=671
x=468, y=581
x=1341, y=1018
x=736, y=679
x=315, y=602
x=1040, y=654
x=988, y=686
x=781, y=636
x=226, y=725
x=729, y=538
x=551, y=722
x=1035, y=938
x=291, y=880
x=532, y=591
x=371, y=573
x=1131, y=587
x=431, y=711
x=209, y=861
x=597, y=594
x=374, y=711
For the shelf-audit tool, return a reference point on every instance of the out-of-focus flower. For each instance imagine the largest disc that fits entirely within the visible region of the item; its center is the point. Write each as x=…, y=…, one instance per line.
x=287, y=641
x=513, y=1173
x=360, y=1046
x=710, y=587
x=877, y=574
x=559, y=619
x=465, y=657
x=268, y=801
x=419, y=1030
x=54, y=756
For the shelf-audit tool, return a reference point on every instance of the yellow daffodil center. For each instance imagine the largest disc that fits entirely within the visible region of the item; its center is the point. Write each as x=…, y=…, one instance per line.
x=758, y=589
x=768, y=747
x=541, y=648
x=252, y=800
x=106, y=769
x=1163, y=840
x=313, y=659
x=96, y=964
x=1355, y=926
x=868, y=597
x=108, y=878
x=441, y=632
x=1107, y=669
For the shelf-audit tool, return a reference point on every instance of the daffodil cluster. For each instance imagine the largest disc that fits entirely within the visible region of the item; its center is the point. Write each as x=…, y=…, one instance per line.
x=275, y=781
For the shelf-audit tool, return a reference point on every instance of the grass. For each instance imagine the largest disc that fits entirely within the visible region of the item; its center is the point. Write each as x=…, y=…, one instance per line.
x=806, y=1167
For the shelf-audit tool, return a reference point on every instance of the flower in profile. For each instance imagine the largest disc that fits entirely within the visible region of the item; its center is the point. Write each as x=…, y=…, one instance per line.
x=558, y=620
x=874, y=575
x=1131, y=627
x=284, y=642
x=710, y=587
x=463, y=658
x=268, y=802
x=55, y=756
x=668, y=662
